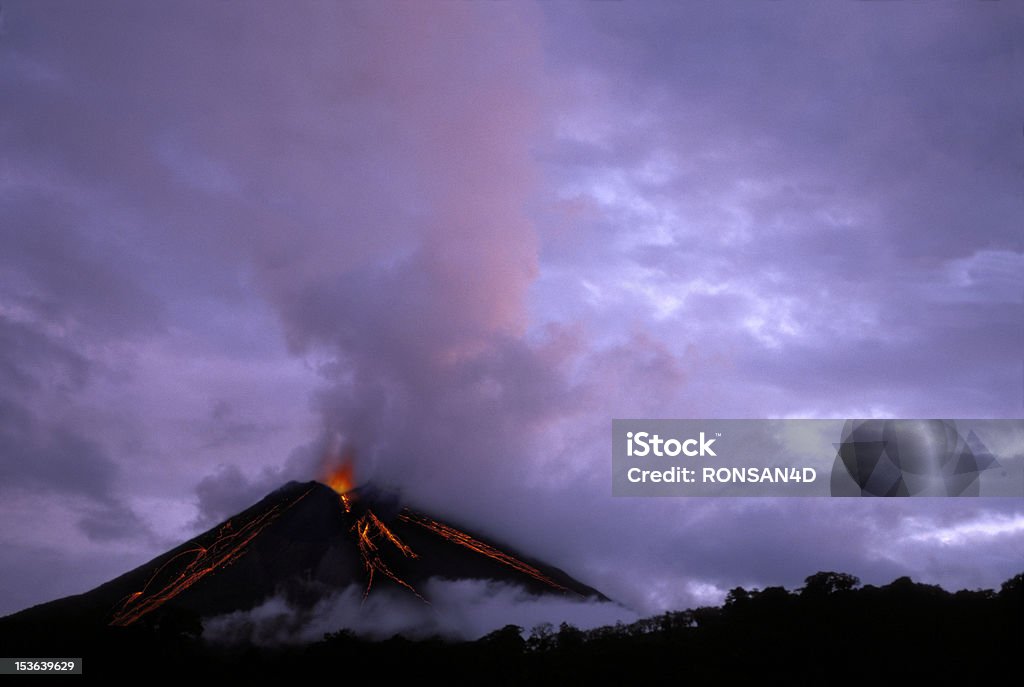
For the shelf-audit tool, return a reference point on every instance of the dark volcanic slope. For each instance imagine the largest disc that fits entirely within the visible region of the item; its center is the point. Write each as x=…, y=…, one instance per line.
x=307, y=535
x=300, y=541
x=438, y=556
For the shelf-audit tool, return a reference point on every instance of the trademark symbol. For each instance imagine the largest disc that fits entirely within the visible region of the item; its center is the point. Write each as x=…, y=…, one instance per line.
x=718, y=434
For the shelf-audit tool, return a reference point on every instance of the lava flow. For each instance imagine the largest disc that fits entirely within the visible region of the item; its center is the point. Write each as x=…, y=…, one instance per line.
x=462, y=539
x=372, y=533
x=188, y=567
x=369, y=531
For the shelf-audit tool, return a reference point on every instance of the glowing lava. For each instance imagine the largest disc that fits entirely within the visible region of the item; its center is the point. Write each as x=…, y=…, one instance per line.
x=463, y=539
x=340, y=479
x=188, y=567
x=379, y=547
x=371, y=532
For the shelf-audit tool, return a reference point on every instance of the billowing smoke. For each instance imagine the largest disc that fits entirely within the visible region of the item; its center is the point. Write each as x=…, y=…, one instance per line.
x=414, y=297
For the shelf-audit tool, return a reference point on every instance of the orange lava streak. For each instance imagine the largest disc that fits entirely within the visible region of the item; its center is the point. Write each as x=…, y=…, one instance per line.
x=392, y=537
x=227, y=547
x=368, y=528
x=463, y=539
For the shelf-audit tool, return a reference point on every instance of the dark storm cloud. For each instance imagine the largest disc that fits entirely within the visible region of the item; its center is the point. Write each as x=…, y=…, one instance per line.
x=225, y=492
x=62, y=280
x=64, y=298
x=112, y=522
x=227, y=489
x=55, y=458
x=43, y=453
x=57, y=461
x=34, y=359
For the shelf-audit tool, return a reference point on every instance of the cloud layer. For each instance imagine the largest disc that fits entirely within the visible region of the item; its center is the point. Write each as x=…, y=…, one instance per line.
x=461, y=609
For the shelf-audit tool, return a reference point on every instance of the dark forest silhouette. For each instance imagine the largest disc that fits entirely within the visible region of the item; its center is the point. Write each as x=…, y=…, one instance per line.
x=830, y=629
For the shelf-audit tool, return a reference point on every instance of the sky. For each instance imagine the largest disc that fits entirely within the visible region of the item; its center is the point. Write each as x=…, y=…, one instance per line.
x=458, y=239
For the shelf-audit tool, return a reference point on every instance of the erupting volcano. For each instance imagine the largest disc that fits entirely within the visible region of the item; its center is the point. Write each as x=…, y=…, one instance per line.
x=375, y=538
x=303, y=541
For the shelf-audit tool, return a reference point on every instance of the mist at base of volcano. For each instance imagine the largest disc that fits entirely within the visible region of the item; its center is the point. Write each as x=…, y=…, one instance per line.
x=460, y=609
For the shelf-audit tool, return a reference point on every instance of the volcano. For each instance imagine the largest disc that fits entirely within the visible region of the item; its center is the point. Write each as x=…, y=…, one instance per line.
x=305, y=540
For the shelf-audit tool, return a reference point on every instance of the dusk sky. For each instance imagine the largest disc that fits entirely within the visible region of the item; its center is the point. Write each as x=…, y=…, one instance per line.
x=461, y=237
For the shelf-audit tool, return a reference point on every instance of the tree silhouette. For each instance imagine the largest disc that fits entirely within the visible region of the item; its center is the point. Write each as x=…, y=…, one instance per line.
x=825, y=583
